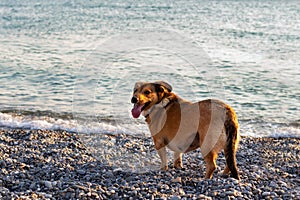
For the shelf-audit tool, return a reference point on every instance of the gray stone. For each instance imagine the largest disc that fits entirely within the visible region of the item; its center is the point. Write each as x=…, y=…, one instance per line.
x=48, y=195
x=109, y=174
x=117, y=170
x=231, y=193
x=32, y=186
x=264, y=194
x=222, y=194
x=81, y=172
x=273, y=184
x=175, y=198
x=48, y=184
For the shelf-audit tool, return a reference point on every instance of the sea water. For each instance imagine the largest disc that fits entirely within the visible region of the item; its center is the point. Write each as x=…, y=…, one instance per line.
x=71, y=65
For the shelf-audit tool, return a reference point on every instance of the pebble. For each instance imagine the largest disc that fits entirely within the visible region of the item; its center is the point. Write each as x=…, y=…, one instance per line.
x=282, y=183
x=181, y=191
x=257, y=191
x=175, y=198
x=40, y=164
x=264, y=194
x=109, y=174
x=32, y=186
x=48, y=195
x=202, y=196
x=273, y=184
x=176, y=180
x=231, y=193
x=48, y=184
x=117, y=170
x=81, y=172
x=280, y=192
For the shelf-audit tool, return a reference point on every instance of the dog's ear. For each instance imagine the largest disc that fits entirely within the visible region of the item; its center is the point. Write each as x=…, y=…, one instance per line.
x=164, y=85
x=138, y=84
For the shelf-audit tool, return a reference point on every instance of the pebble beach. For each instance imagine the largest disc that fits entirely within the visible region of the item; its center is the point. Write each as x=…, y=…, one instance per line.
x=42, y=164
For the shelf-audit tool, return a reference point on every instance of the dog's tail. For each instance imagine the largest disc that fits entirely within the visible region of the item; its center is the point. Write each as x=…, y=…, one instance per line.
x=232, y=133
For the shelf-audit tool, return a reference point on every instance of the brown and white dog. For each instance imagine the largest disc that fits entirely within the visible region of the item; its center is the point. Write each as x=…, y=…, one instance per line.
x=183, y=126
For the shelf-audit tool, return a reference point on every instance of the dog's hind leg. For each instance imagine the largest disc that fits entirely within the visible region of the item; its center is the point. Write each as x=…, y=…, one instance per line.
x=162, y=152
x=226, y=170
x=178, y=160
x=210, y=160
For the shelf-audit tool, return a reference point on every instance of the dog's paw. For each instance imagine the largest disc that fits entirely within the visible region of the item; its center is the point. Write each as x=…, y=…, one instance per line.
x=178, y=166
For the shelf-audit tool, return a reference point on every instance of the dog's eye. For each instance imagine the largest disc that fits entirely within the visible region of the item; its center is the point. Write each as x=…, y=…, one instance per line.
x=135, y=90
x=147, y=92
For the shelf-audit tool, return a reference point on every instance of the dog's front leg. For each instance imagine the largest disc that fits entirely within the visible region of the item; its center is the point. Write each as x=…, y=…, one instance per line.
x=162, y=152
x=178, y=160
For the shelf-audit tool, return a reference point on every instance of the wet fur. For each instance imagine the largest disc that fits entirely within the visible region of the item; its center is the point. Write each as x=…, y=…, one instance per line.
x=183, y=126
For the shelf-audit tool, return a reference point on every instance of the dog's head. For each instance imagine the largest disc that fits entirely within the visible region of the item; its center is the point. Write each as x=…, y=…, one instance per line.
x=145, y=95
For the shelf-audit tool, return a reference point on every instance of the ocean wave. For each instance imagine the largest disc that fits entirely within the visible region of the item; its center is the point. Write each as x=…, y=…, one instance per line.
x=258, y=128
x=105, y=125
x=80, y=126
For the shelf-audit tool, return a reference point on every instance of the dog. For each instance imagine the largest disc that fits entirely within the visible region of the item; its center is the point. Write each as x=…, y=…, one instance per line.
x=182, y=126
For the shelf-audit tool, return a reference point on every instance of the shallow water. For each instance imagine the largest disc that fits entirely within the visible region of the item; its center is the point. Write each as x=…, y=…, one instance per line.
x=72, y=65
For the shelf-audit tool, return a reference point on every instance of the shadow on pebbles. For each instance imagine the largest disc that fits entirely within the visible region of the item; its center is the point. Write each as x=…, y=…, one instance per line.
x=41, y=164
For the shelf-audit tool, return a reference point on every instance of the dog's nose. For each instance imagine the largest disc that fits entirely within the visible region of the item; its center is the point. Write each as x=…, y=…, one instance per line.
x=134, y=100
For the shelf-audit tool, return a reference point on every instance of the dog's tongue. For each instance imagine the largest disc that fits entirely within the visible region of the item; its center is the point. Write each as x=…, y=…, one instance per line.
x=136, y=110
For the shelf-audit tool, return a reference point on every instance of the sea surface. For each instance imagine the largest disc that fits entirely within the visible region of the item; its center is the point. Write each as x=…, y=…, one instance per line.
x=71, y=65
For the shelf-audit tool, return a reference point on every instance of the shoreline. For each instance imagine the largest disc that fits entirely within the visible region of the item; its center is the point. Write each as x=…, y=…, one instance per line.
x=43, y=164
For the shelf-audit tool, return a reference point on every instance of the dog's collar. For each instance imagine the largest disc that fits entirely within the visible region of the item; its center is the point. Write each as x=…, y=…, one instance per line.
x=164, y=103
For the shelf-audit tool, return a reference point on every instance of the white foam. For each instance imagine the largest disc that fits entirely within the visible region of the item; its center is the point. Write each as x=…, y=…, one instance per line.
x=137, y=128
x=292, y=132
x=263, y=129
x=49, y=123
